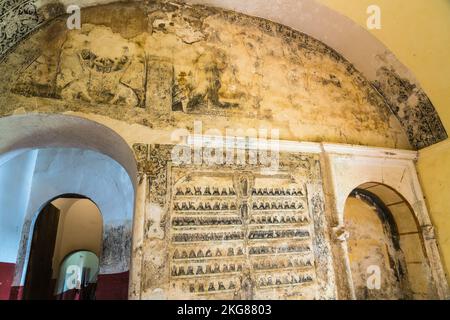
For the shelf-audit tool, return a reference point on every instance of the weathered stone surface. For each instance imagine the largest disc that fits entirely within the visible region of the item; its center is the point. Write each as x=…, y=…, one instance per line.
x=116, y=248
x=412, y=107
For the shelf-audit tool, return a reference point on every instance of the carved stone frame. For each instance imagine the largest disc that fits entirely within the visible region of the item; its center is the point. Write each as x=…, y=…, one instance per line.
x=394, y=168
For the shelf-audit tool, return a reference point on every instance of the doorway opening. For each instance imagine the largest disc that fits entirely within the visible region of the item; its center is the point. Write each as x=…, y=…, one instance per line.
x=386, y=251
x=67, y=230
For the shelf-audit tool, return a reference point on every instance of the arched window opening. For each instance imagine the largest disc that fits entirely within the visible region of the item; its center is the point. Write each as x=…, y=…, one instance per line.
x=78, y=276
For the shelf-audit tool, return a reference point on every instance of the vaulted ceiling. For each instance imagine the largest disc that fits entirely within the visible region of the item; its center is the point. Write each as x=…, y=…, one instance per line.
x=393, y=80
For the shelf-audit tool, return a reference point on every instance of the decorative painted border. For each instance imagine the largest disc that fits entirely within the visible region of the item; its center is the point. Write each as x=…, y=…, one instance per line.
x=17, y=20
x=407, y=101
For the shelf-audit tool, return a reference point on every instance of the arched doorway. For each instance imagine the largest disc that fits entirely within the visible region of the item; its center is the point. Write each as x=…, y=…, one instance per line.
x=386, y=252
x=45, y=156
x=66, y=224
x=78, y=275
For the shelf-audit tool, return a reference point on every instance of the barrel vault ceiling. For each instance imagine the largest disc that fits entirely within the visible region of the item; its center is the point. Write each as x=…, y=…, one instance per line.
x=398, y=86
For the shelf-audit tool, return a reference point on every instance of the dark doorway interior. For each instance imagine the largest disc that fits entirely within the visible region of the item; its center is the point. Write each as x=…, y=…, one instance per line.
x=38, y=281
x=66, y=225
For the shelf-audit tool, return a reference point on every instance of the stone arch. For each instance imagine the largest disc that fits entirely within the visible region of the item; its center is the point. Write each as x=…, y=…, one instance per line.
x=24, y=132
x=89, y=147
x=404, y=248
x=395, y=170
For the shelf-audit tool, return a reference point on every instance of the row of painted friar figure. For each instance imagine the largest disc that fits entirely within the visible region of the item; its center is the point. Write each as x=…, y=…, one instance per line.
x=262, y=282
x=207, y=254
x=229, y=191
x=274, y=234
x=280, y=219
x=204, y=221
x=288, y=279
x=276, y=192
x=192, y=254
x=211, y=287
x=290, y=263
x=224, y=236
x=279, y=250
x=277, y=205
x=216, y=221
x=208, y=269
x=205, y=191
x=207, y=206
x=219, y=236
x=191, y=206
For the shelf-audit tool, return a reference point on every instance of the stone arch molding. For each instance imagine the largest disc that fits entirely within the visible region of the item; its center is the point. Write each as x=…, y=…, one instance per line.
x=395, y=84
x=91, y=149
x=395, y=174
x=35, y=131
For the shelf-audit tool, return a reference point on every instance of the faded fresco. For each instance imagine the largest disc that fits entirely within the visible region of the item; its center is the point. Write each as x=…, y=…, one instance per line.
x=233, y=232
x=172, y=64
x=230, y=231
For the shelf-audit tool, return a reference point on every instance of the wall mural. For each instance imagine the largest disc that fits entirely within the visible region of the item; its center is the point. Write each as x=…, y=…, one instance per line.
x=175, y=63
x=17, y=19
x=228, y=231
x=234, y=232
x=412, y=107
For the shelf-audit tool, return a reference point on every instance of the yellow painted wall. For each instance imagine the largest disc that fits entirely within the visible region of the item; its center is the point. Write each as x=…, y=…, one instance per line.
x=434, y=173
x=418, y=33
x=80, y=228
x=368, y=246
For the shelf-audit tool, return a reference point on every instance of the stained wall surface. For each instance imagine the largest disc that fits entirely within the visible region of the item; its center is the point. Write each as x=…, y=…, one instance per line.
x=173, y=64
x=419, y=35
x=369, y=246
x=168, y=65
x=434, y=172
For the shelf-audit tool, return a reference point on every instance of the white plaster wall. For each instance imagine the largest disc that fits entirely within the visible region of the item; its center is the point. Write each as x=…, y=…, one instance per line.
x=85, y=172
x=15, y=183
x=37, y=131
x=61, y=171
